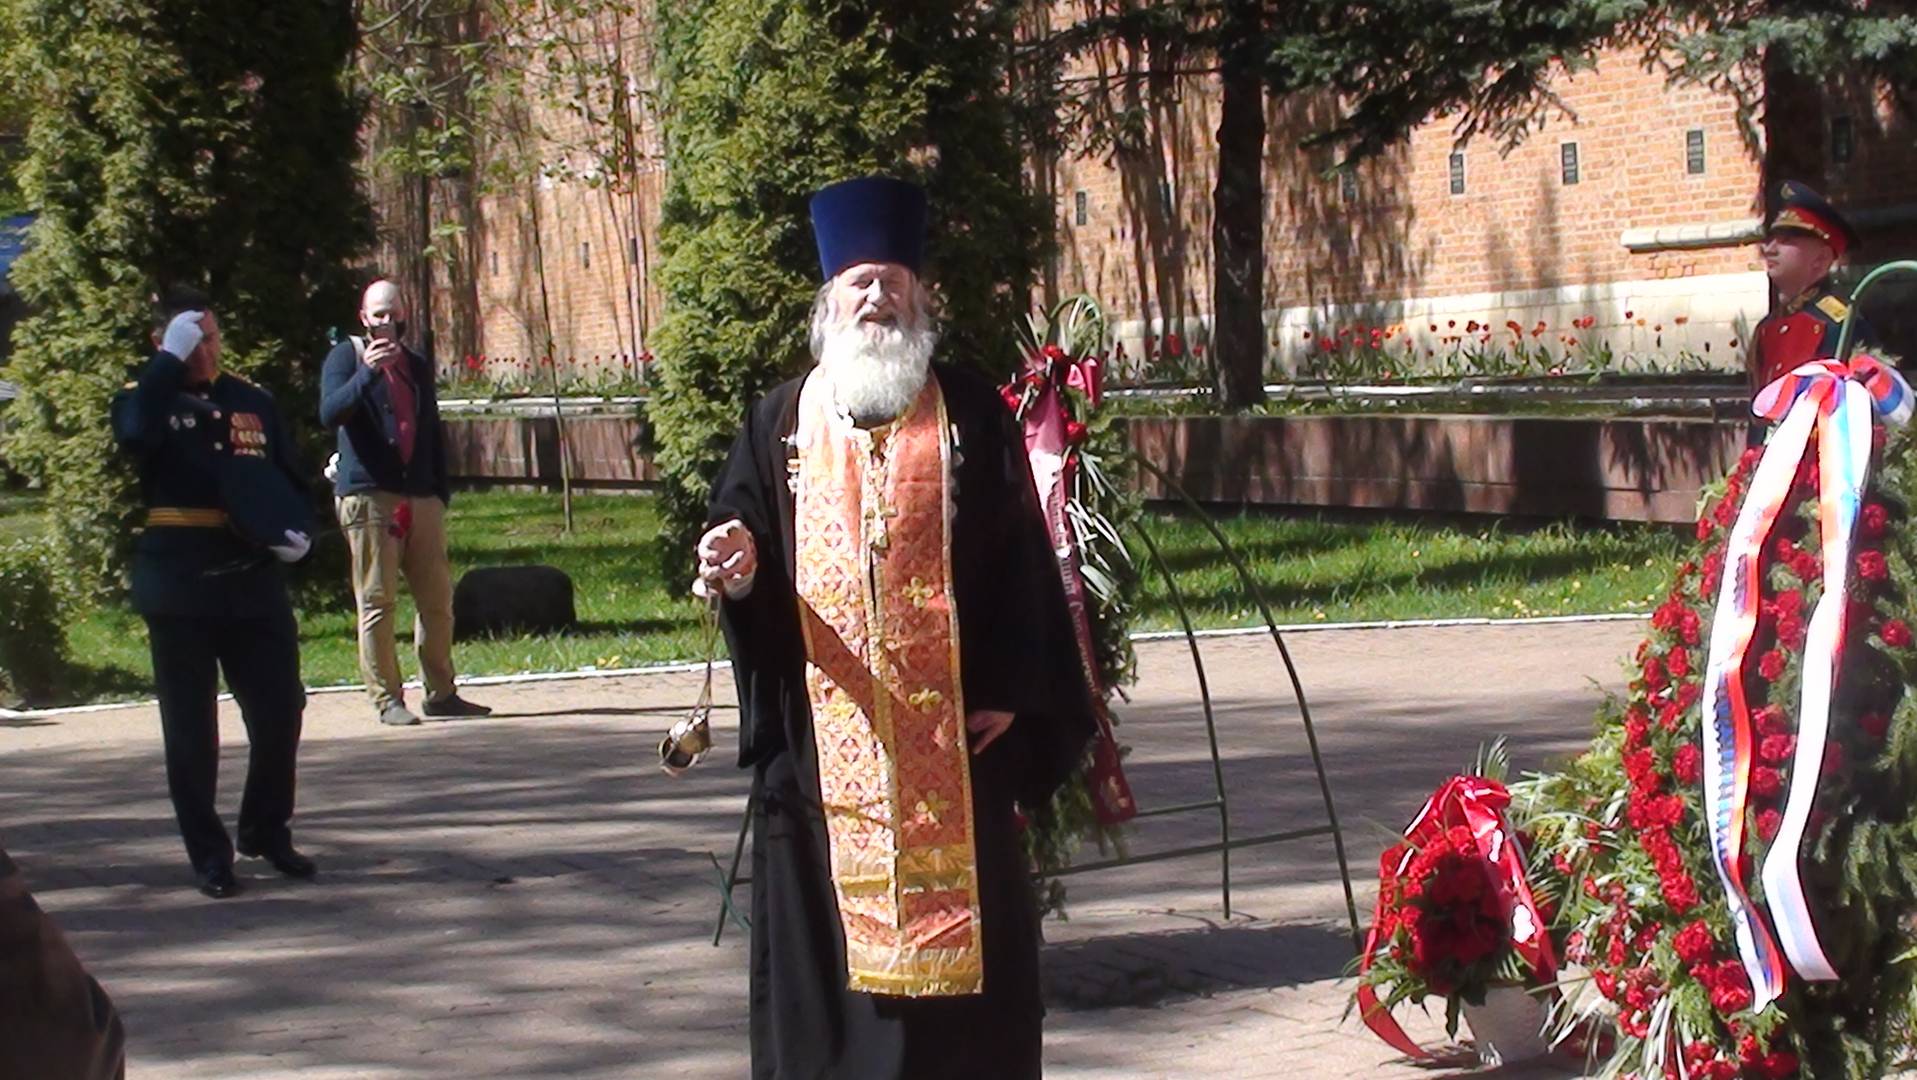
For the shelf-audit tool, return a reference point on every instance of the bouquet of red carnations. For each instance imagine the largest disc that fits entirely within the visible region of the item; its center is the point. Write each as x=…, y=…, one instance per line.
x=1456, y=917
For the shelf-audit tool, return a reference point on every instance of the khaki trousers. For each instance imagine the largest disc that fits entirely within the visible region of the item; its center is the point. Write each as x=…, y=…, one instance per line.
x=379, y=556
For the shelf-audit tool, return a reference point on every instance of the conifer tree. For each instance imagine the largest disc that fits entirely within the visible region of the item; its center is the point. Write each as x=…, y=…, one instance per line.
x=766, y=101
x=210, y=144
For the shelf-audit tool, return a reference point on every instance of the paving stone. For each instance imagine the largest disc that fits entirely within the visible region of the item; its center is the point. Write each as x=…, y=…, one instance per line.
x=411, y=958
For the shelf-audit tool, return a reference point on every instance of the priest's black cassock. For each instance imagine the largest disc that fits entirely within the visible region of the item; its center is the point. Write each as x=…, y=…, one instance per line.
x=1018, y=655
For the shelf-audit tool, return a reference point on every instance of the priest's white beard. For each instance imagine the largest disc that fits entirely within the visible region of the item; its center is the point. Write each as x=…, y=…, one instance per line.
x=876, y=370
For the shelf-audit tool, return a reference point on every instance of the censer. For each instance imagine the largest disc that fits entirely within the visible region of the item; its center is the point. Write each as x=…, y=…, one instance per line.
x=691, y=736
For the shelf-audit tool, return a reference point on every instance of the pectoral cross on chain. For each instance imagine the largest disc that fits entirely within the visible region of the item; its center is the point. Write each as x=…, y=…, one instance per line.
x=876, y=513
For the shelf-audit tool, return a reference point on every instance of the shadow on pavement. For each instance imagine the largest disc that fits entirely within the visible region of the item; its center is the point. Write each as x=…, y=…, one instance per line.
x=1153, y=969
x=508, y=899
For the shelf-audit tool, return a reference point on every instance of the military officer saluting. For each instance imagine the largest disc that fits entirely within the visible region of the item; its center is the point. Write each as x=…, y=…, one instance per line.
x=225, y=505
x=1804, y=241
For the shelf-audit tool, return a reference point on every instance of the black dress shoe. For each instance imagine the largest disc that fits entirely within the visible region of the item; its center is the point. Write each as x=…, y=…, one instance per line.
x=220, y=883
x=286, y=860
x=454, y=705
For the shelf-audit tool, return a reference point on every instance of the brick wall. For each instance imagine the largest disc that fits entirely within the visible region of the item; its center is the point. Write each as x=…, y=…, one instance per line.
x=1395, y=244
x=1658, y=255
x=568, y=246
x=595, y=250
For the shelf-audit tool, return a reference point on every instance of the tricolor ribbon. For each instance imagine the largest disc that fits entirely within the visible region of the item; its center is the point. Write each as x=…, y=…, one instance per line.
x=1834, y=403
x=1478, y=803
x=1053, y=462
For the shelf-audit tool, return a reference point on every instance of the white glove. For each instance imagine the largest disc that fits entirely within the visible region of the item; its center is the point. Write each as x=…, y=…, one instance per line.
x=183, y=334
x=296, y=546
x=332, y=467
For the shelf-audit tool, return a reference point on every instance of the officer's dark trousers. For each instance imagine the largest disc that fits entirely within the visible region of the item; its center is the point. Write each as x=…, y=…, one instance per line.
x=260, y=658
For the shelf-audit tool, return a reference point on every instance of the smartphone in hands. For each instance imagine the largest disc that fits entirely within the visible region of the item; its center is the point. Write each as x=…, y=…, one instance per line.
x=388, y=333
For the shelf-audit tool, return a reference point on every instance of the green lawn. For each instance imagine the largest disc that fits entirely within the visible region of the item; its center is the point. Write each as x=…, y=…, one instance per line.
x=20, y=516
x=1318, y=568
x=1311, y=567
x=627, y=616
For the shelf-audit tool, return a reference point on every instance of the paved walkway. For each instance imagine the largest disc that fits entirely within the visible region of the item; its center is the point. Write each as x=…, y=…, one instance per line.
x=526, y=896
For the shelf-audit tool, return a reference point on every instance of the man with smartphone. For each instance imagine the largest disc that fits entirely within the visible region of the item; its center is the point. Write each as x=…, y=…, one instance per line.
x=391, y=493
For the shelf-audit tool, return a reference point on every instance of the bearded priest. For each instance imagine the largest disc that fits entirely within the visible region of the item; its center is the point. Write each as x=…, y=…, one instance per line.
x=909, y=688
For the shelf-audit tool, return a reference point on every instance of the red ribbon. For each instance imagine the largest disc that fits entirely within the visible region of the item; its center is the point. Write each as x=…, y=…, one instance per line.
x=1478, y=804
x=1083, y=375
x=1048, y=445
x=402, y=523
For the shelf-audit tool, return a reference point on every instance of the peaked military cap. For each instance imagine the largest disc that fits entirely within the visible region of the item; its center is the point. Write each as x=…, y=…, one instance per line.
x=1799, y=209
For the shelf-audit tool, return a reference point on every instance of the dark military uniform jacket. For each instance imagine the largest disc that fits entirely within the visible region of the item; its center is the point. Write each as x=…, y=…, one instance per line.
x=1804, y=328
x=188, y=560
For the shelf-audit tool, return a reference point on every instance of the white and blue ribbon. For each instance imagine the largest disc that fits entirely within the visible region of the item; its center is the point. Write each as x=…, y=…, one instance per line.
x=1835, y=404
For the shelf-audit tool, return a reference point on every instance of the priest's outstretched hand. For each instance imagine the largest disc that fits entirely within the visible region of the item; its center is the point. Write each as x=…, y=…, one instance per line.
x=986, y=725
x=728, y=559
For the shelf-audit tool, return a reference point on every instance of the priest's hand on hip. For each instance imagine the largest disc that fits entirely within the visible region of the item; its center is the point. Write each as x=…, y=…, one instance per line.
x=728, y=558
x=986, y=725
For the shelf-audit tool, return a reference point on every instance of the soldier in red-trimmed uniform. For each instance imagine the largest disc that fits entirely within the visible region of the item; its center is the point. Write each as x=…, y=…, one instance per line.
x=1804, y=241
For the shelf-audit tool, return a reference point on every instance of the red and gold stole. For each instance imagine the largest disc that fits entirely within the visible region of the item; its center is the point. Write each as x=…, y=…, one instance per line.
x=873, y=530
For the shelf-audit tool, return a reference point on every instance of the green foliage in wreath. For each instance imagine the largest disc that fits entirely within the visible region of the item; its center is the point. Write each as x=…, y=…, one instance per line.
x=1621, y=849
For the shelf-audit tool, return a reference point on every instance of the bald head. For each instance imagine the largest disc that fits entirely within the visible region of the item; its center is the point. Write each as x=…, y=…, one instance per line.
x=381, y=304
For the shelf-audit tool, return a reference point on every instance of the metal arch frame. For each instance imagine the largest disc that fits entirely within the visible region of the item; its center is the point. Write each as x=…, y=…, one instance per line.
x=1226, y=844
x=1846, y=336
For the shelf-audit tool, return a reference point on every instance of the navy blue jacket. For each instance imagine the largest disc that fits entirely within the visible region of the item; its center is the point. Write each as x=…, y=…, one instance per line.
x=354, y=402
x=179, y=435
